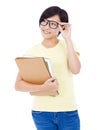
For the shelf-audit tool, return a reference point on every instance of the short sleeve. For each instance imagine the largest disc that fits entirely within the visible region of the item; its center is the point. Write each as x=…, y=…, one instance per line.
x=76, y=49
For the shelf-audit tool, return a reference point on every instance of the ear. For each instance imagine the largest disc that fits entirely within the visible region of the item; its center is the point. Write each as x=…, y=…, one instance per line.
x=58, y=33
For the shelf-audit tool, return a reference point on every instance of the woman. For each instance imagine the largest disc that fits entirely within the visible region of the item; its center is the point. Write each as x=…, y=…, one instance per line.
x=54, y=106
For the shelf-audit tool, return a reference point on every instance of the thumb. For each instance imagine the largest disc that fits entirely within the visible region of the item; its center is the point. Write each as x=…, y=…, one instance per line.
x=53, y=79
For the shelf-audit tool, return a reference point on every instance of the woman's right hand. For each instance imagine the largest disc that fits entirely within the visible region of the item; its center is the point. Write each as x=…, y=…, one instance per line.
x=51, y=86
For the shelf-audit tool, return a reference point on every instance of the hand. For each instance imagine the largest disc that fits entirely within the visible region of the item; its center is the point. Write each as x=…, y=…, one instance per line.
x=51, y=86
x=65, y=29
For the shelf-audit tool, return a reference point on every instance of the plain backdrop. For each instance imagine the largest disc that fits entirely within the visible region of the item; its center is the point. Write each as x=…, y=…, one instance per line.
x=19, y=31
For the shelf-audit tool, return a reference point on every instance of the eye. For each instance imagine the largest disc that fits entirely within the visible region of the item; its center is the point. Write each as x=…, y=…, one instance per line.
x=53, y=24
x=44, y=22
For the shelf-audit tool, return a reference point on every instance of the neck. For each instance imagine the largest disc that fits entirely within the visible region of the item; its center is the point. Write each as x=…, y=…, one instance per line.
x=50, y=43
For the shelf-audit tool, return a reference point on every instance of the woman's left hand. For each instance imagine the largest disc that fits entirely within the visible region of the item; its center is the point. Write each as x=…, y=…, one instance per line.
x=65, y=29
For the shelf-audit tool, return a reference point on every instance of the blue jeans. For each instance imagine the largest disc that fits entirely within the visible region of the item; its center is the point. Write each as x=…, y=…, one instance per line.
x=56, y=120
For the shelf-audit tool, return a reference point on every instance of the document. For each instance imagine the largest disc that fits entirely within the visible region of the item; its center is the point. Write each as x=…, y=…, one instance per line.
x=35, y=70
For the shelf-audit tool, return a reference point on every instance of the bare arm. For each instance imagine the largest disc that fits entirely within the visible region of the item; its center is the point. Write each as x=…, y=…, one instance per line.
x=73, y=60
x=48, y=88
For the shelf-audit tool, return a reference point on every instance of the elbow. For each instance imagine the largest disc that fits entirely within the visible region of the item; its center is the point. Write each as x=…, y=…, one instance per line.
x=17, y=88
x=76, y=70
x=75, y=67
x=18, y=83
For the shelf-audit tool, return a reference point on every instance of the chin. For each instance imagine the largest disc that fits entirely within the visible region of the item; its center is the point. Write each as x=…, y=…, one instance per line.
x=46, y=36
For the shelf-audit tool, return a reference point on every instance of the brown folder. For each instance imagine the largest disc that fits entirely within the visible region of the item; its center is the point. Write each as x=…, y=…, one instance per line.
x=33, y=69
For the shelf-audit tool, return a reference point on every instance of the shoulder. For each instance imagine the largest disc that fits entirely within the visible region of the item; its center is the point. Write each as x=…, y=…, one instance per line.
x=32, y=49
x=64, y=45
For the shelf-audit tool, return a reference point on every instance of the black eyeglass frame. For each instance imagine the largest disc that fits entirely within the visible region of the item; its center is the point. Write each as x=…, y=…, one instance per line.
x=49, y=22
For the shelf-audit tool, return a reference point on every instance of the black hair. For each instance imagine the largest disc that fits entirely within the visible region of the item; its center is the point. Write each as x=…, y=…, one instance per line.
x=54, y=10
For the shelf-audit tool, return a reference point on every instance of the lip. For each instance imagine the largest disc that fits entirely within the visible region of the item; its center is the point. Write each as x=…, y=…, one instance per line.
x=45, y=32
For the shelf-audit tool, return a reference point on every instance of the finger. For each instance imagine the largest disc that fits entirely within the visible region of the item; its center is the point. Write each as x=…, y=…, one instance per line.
x=61, y=28
x=53, y=79
x=64, y=23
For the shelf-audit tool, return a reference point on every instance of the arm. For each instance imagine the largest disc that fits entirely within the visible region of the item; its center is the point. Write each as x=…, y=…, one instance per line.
x=48, y=88
x=73, y=60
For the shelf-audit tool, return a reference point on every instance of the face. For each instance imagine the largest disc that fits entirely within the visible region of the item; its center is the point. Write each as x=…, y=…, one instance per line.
x=50, y=27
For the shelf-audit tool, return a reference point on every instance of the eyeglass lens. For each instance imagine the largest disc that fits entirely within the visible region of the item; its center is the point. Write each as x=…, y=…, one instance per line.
x=52, y=24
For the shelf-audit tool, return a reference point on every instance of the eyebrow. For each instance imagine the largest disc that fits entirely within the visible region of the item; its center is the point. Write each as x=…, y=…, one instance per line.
x=52, y=21
x=57, y=21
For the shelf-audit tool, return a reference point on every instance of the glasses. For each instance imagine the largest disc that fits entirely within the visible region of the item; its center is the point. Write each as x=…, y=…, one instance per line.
x=52, y=24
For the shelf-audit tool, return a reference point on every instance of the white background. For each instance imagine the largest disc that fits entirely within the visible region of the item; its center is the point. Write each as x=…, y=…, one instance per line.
x=19, y=31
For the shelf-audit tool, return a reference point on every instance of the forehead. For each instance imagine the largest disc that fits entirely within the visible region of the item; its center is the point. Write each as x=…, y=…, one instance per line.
x=54, y=18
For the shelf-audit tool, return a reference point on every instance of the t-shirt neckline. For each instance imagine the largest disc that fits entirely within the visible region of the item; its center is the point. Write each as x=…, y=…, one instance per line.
x=50, y=48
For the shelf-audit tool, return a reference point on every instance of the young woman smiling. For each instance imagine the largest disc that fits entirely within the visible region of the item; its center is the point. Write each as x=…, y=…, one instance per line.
x=54, y=106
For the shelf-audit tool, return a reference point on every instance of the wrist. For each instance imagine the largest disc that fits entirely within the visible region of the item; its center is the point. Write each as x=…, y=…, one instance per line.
x=42, y=87
x=68, y=40
x=37, y=88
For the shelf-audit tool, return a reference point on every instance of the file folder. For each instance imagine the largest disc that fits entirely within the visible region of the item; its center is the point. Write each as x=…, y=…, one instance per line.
x=35, y=70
